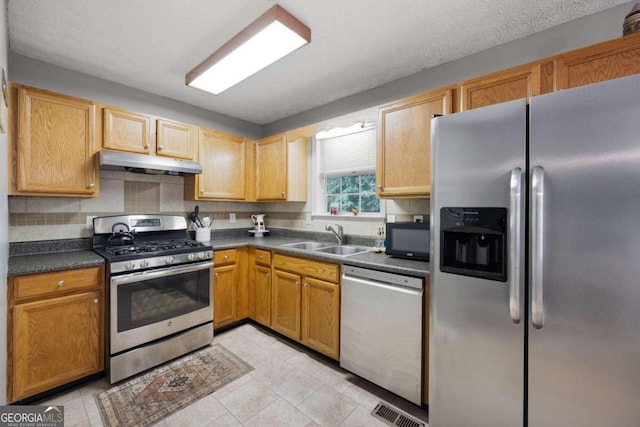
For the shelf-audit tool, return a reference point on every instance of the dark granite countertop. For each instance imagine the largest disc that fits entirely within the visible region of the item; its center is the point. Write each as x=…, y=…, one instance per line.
x=39, y=257
x=43, y=262
x=372, y=260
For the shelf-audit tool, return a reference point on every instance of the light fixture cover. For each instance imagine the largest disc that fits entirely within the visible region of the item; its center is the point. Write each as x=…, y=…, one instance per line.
x=272, y=36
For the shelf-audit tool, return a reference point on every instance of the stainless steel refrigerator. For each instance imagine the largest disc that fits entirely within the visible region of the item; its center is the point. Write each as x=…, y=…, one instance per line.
x=535, y=261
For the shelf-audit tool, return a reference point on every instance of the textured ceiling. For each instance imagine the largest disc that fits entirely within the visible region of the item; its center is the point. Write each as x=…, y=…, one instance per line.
x=356, y=44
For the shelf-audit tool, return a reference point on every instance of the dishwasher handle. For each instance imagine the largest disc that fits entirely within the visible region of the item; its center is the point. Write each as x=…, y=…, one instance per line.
x=383, y=277
x=353, y=280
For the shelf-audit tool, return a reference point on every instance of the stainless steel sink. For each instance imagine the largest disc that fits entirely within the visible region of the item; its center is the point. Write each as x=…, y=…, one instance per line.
x=308, y=246
x=344, y=250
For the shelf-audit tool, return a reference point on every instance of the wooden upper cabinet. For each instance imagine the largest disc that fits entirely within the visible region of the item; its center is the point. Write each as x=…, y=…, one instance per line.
x=297, y=168
x=54, y=144
x=175, y=139
x=281, y=168
x=404, y=144
x=222, y=157
x=600, y=62
x=128, y=131
x=508, y=85
x=271, y=168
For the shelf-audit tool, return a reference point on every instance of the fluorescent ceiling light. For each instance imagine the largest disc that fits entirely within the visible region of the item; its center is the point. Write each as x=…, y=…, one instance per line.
x=269, y=38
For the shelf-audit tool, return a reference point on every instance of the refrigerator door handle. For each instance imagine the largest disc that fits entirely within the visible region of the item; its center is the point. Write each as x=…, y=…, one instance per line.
x=514, y=233
x=537, y=231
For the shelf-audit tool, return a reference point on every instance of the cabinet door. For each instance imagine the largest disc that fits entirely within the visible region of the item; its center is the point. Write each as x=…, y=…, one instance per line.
x=175, y=139
x=503, y=86
x=262, y=292
x=222, y=157
x=600, y=62
x=285, y=303
x=55, y=143
x=321, y=316
x=56, y=341
x=404, y=144
x=271, y=168
x=127, y=131
x=224, y=295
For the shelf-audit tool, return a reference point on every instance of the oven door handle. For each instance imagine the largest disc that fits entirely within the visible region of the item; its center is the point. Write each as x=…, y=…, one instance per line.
x=164, y=272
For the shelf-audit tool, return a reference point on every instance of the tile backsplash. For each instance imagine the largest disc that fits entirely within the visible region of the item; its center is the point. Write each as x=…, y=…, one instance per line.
x=51, y=218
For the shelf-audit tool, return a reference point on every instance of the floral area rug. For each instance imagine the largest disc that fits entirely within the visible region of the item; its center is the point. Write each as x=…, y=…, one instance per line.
x=153, y=396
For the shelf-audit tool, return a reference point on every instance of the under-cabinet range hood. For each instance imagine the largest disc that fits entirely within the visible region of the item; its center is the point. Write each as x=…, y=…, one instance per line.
x=143, y=163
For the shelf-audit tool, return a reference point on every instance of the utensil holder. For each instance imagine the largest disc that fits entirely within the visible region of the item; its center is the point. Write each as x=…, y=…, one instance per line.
x=203, y=234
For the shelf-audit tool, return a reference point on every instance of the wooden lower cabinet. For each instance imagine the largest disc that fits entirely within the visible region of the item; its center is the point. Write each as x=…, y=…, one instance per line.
x=230, y=299
x=262, y=292
x=285, y=304
x=307, y=308
x=56, y=333
x=321, y=316
x=224, y=294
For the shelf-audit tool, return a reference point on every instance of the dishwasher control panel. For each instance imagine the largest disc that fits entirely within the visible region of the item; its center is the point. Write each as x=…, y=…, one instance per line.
x=383, y=276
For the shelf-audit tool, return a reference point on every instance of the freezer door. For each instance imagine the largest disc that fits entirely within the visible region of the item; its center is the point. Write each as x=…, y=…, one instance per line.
x=476, y=375
x=584, y=347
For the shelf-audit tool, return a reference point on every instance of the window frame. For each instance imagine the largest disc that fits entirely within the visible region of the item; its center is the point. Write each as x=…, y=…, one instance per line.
x=318, y=191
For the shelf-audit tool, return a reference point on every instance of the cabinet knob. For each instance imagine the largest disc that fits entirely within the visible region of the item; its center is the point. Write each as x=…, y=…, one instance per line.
x=379, y=186
x=297, y=283
x=146, y=146
x=95, y=300
x=267, y=274
x=201, y=191
x=160, y=147
x=91, y=185
x=260, y=257
x=60, y=283
x=226, y=257
x=217, y=274
x=282, y=194
x=305, y=284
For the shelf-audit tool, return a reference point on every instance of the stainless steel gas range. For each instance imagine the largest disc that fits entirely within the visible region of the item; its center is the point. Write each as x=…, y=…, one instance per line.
x=160, y=286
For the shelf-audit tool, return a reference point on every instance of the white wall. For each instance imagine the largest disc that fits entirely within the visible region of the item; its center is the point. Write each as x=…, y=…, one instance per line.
x=4, y=218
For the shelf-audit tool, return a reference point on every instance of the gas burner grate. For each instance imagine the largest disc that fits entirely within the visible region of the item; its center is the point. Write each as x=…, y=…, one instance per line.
x=152, y=247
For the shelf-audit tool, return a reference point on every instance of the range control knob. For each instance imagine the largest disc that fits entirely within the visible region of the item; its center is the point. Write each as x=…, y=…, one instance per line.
x=191, y=257
x=130, y=265
x=169, y=260
x=144, y=263
x=200, y=255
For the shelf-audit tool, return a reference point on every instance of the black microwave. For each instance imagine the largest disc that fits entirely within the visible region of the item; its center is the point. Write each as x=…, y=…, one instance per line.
x=408, y=240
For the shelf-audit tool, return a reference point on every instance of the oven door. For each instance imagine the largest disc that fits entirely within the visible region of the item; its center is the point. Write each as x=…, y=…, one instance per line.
x=153, y=304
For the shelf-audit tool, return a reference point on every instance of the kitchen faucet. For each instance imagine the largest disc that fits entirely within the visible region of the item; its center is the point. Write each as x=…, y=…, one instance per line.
x=339, y=233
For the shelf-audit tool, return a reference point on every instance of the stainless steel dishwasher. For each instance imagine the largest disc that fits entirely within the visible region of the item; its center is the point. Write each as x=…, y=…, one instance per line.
x=381, y=329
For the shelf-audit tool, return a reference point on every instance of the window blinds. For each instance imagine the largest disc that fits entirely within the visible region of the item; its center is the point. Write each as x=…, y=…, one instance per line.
x=344, y=154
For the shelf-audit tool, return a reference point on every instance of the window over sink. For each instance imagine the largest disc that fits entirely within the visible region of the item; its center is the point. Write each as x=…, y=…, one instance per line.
x=345, y=172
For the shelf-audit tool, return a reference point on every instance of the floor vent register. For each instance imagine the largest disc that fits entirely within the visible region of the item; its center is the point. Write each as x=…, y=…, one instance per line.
x=393, y=417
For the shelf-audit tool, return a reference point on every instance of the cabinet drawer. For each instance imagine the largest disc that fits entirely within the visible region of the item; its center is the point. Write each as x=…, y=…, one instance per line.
x=305, y=267
x=263, y=257
x=224, y=257
x=56, y=282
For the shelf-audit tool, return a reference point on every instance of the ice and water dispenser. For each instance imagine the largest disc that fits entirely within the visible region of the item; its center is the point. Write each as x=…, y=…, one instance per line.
x=473, y=242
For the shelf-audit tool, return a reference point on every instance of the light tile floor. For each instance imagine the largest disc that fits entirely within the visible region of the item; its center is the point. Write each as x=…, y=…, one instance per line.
x=288, y=387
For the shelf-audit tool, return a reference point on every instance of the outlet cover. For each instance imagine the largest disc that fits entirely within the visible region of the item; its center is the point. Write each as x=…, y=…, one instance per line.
x=418, y=219
x=232, y=218
x=391, y=218
x=89, y=222
x=308, y=219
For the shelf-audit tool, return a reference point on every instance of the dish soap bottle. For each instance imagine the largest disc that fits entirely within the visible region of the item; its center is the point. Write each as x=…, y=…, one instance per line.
x=380, y=241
